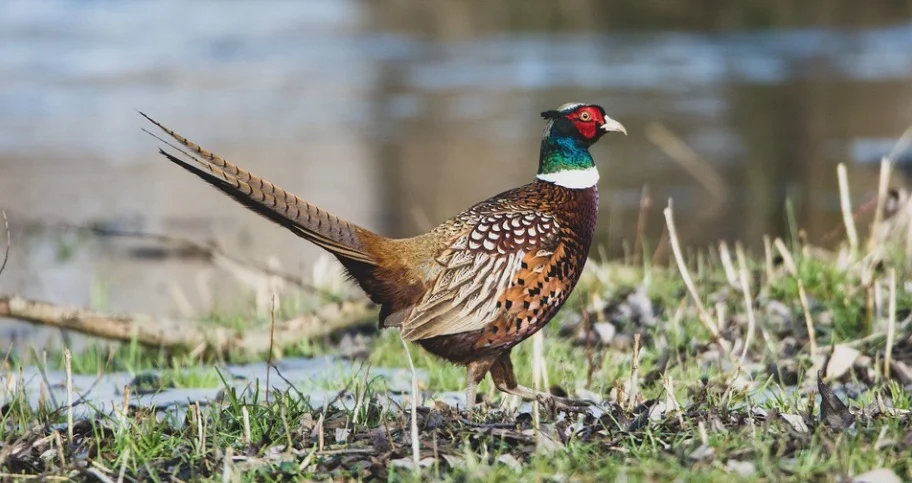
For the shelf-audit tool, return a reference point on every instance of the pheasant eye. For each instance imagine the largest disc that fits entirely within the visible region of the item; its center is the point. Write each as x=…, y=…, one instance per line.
x=584, y=116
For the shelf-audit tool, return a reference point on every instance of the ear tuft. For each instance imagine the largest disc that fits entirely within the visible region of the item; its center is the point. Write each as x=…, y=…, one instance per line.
x=552, y=114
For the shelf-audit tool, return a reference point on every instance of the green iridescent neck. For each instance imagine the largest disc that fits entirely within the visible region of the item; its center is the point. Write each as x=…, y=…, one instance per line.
x=563, y=153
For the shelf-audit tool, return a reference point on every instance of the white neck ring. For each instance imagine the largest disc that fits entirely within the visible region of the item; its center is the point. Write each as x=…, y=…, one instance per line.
x=573, y=178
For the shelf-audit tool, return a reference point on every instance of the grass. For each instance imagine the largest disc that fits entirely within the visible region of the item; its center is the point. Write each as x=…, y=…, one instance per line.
x=760, y=421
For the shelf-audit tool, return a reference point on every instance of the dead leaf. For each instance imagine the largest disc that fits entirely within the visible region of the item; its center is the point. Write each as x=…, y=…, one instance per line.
x=796, y=421
x=840, y=361
x=833, y=412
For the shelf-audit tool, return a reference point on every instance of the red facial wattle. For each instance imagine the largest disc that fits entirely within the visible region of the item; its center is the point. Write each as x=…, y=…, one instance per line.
x=587, y=121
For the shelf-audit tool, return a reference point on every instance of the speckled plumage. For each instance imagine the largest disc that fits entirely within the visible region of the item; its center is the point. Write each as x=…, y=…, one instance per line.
x=479, y=283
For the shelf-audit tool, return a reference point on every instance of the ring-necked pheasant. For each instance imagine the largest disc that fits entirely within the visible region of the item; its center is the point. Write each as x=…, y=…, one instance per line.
x=479, y=283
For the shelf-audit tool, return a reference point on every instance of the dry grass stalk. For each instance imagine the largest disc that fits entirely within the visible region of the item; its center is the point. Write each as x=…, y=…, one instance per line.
x=696, y=166
x=671, y=401
x=8, y=241
x=538, y=358
x=271, y=344
x=283, y=413
x=125, y=407
x=802, y=294
x=701, y=429
x=882, y=186
x=416, y=445
x=123, y=465
x=685, y=274
x=768, y=257
x=642, y=217
x=320, y=430
x=69, y=390
x=634, y=373
x=98, y=473
x=245, y=414
x=845, y=203
x=226, y=468
x=891, y=324
x=721, y=316
x=725, y=256
x=200, y=437
x=59, y=442
x=748, y=302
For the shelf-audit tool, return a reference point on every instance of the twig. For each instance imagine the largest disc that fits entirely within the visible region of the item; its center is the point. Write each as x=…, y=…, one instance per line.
x=9, y=242
x=802, y=294
x=209, y=250
x=271, y=343
x=845, y=204
x=538, y=356
x=901, y=144
x=165, y=333
x=891, y=324
x=416, y=447
x=695, y=165
x=685, y=274
x=69, y=390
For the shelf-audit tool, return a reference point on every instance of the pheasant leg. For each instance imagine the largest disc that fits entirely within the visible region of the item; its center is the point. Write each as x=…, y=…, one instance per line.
x=475, y=373
x=505, y=381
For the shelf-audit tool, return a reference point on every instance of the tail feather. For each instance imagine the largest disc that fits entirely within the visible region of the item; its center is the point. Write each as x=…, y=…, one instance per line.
x=342, y=238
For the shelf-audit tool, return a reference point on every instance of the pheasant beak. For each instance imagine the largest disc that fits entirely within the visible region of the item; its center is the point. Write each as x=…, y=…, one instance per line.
x=613, y=126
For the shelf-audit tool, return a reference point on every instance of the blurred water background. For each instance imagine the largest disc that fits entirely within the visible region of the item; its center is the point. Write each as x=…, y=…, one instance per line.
x=398, y=114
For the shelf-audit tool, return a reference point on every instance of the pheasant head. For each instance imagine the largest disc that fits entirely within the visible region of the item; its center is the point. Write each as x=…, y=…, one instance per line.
x=569, y=132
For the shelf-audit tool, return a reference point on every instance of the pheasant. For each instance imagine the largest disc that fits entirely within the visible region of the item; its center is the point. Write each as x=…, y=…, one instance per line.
x=481, y=282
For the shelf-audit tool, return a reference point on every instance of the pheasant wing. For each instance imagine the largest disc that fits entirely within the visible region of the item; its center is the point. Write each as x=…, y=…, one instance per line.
x=486, y=262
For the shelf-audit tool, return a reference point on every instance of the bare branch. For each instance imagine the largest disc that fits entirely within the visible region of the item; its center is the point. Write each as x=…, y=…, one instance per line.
x=161, y=332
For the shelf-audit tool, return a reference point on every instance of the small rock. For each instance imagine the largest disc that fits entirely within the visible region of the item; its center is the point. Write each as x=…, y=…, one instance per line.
x=880, y=475
x=701, y=453
x=744, y=469
x=605, y=331
x=342, y=435
x=510, y=461
x=902, y=371
x=381, y=441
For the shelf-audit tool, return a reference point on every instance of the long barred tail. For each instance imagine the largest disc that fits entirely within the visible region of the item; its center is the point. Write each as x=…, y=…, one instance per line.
x=344, y=239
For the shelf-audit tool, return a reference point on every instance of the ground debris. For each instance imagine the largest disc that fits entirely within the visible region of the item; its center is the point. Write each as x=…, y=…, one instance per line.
x=833, y=412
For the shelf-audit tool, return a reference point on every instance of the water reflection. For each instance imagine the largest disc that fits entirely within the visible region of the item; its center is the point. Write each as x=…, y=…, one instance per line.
x=398, y=115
